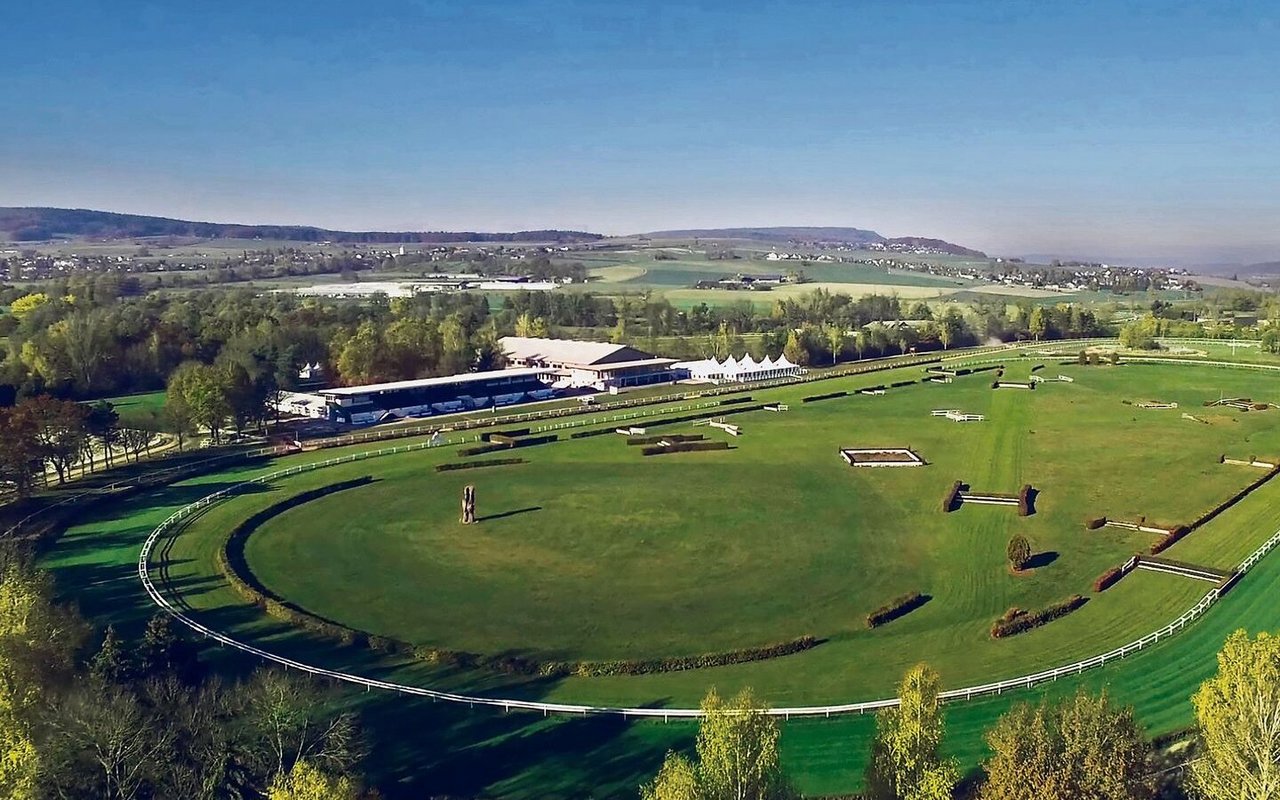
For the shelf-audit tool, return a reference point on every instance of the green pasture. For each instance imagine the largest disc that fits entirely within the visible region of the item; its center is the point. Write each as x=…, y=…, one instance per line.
x=593, y=551
x=142, y=410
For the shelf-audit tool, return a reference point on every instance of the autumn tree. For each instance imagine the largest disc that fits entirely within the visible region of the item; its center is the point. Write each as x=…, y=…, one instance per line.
x=306, y=782
x=906, y=759
x=1238, y=716
x=1083, y=749
x=61, y=429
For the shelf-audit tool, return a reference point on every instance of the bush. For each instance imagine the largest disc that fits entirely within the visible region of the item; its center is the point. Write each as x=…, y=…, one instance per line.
x=1093, y=523
x=1018, y=551
x=493, y=462
x=683, y=447
x=1015, y=620
x=1168, y=540
x=815, y=398
x=1107, y=578
x=899, y=606
x=900, y=384
x=735, y=401
x=1025, y=497
x=951, y=500
x=511, y=434
x=1037, y=367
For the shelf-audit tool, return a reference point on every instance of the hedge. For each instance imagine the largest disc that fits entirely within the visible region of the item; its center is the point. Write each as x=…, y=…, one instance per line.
x=277, y=608
x=670, y=437
x=1037, y=367
x=493, y=462
x=898, y=607
x=1093, y=523
x=506, y=444
x=1024, y=500
x=949, y=501
x=1015, y=620
x=900, y=384
x=1168, y=540
x=733, y=401
x=510, y=434
x=1107, y=579
x=829, y=396
x=682, y=447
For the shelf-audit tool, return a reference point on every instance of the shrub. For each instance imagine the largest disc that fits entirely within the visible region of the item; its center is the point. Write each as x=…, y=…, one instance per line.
x=493, y=462
x=1018, y=551
x=1107, y=578
x=899, y=606
x=1015, y=620
x=732, y=401
x=900, y=384
x=1169, y=539
x=1093, y=523
x=1260, y=406
x=815, y=398
x=950, y=501
x=683, y=447
x=1037, y=367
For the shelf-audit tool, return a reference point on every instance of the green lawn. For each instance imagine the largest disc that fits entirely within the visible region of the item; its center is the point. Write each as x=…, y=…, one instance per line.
x=775, y=538
x=143, y=410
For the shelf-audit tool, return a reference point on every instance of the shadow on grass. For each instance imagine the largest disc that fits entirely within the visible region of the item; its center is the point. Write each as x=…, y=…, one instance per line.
x=505, y=514
x=1042, y=559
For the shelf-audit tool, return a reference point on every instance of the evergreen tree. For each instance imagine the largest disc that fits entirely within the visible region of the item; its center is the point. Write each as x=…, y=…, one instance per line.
x=112, y=663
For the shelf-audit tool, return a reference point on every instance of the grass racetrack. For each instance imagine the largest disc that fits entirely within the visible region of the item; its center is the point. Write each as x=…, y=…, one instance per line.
x=592, y=551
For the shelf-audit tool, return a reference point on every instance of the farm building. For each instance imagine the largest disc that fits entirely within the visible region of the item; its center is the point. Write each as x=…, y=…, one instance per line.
x=597, y=365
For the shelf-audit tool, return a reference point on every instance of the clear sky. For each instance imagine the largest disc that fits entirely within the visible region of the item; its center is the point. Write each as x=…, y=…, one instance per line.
x=1090, y=128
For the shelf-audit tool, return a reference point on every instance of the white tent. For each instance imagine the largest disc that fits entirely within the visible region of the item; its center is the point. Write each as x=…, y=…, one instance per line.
x=733, y=370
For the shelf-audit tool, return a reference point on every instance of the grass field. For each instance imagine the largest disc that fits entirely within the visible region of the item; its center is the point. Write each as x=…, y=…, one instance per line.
x=143, y=410
x=775, y=538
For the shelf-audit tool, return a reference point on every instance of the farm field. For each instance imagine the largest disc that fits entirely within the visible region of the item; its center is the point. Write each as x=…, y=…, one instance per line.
x=686, y=550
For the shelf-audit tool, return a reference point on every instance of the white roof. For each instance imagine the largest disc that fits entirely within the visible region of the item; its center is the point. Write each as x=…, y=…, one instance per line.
x=447, y=380
x=566, y=351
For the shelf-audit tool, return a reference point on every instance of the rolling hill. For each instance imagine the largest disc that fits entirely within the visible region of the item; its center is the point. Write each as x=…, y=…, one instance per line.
x=807, y=235
x=40, y=224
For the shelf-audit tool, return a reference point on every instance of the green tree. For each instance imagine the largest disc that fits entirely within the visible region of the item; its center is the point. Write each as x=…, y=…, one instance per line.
x=737, y=756
x=795, y=352
x=306, y=782
x=677, y=780
x=1238, y=715
x=834, y=335
x=906, y=760
x=1038, y=323
x=1018, y=551
x=1082, y=749
x=113, y=663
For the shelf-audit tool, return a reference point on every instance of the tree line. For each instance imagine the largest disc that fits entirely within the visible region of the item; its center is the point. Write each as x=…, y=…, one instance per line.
x=1086, y=747
x=99, y=714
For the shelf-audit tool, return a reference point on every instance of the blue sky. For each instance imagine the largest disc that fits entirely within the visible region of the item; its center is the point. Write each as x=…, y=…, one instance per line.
x=1093, y=128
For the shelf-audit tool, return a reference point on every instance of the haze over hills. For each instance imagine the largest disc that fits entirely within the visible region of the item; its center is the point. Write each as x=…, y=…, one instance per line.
x=786, y=234
x=33, y=224
x=41, y=224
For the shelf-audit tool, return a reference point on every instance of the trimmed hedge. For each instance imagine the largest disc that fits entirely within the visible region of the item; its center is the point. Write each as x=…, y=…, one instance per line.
x=1037, y=367
x=733, y=401
x=1093, y=523
x=1107, y=579
x=510, y=434
x=671, y=437
x=1016, y=620
x=506, y=443
x=1168, y=540
x=231, y=564
x=1024, y=500
x=950, y=500
x=493, y=462
x=682, y=447
x=898, y=607
x=830, y=396
x=900, y=384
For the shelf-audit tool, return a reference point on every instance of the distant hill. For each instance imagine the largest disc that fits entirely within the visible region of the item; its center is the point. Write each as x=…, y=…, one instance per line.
x=785, y=235
x=40, y=224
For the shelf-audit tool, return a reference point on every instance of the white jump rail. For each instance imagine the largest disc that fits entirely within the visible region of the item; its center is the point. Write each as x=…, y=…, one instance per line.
x=173, y=522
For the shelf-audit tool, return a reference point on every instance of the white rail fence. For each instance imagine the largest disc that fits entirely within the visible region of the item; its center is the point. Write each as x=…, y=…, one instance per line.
x=172, y=523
